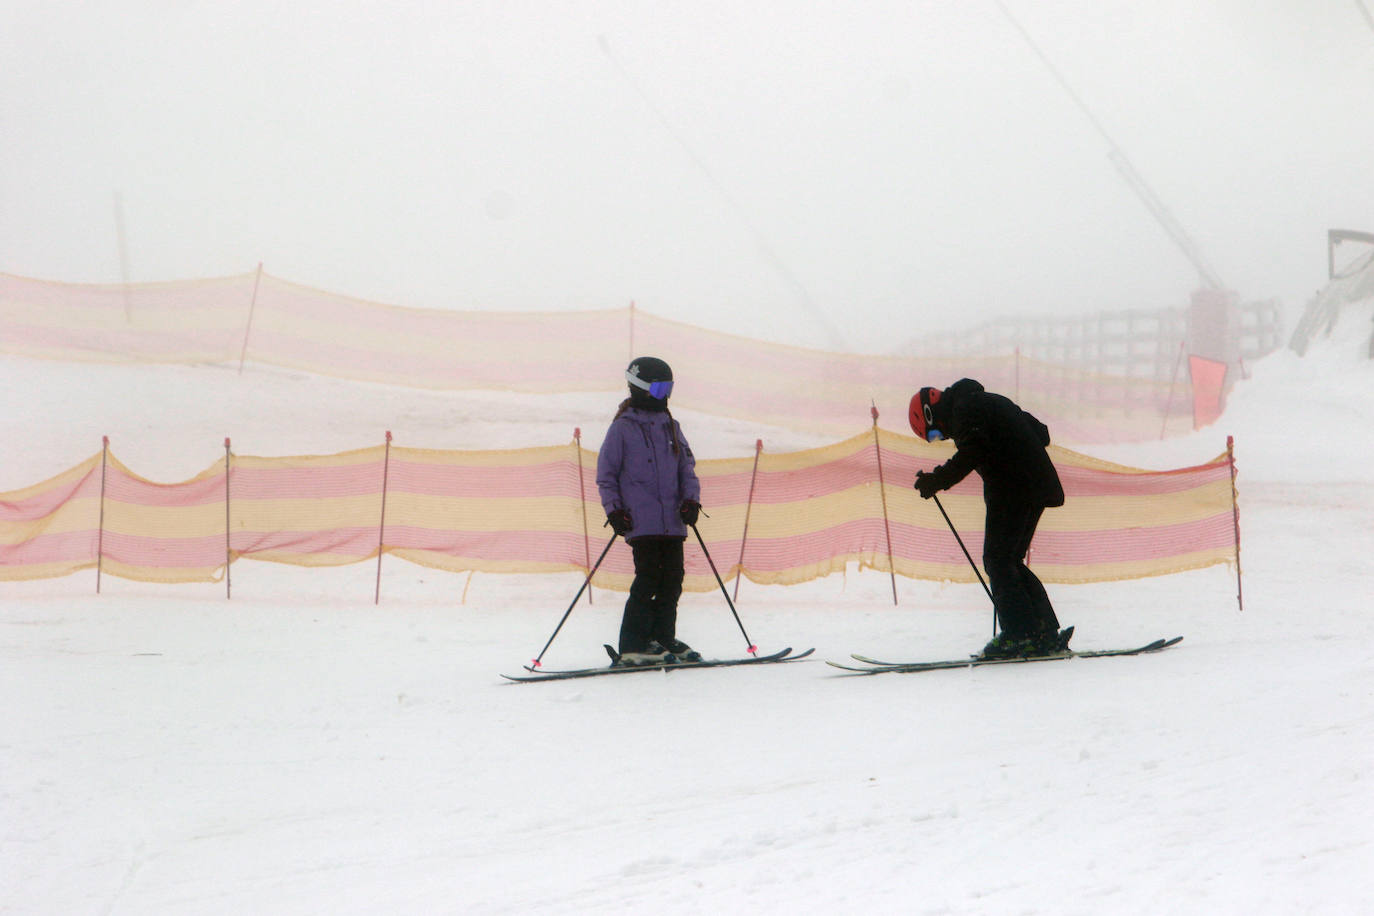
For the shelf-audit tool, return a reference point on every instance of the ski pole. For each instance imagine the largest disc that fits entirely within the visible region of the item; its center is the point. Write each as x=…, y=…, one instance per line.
x=590, y=573
x=753, y=649
x=970, y=559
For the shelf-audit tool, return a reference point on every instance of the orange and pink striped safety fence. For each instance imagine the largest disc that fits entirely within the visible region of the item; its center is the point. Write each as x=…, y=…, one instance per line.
x=809, y=514
x=260, y=319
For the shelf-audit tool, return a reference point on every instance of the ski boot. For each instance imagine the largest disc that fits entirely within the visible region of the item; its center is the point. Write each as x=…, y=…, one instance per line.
x=683, y=652
x=653, y=654
x=1004, y=646
x=1053, y=642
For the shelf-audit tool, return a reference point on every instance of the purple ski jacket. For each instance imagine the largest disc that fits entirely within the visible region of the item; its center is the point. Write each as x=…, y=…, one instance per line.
x=637, y=471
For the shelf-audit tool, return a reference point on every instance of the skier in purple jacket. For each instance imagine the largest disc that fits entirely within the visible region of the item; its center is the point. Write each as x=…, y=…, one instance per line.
x=647, y=477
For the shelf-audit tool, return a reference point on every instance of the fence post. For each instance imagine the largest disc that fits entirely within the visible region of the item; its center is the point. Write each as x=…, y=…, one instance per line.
x=247, y=328
x=100, y=528
x=228, y=552
x=381, y=532
x=1235, y=514
x=882, y=491
x=582, y=500
x=748, y=508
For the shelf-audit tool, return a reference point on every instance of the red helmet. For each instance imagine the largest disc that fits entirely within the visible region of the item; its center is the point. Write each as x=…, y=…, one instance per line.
x=922, y=416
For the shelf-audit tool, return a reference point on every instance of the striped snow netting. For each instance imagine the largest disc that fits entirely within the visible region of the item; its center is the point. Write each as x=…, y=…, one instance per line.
x=264, y=320
x=51, y=529
x=776, y=519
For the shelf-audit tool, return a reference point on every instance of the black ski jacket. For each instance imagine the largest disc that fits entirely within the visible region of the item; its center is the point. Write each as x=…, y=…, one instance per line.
x=999, y=440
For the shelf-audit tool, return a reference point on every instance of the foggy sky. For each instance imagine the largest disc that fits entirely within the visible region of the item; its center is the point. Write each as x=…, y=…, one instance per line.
x=796, y=171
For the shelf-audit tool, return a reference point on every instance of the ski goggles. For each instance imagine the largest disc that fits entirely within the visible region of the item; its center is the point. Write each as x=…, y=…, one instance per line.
x=932, y=434
x=657, y=390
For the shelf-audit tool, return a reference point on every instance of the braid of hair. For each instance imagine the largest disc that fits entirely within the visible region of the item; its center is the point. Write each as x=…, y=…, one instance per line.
x=672, y=424
x=672, y=429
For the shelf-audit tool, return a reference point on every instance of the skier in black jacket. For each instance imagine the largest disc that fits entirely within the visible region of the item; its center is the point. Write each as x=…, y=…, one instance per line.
x=1006, y=446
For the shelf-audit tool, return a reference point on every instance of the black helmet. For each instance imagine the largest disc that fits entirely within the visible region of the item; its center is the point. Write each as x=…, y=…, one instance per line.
x=651, y=381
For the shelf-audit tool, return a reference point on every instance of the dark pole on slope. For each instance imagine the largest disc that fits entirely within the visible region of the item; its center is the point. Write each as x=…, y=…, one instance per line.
x=536, y=661
x=753, y=649
x=1124, y=167
x=799, y=291
x=1364, y=11
x=970, y=560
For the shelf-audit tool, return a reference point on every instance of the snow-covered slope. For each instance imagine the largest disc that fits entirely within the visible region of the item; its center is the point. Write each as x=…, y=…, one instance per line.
x=299, y=750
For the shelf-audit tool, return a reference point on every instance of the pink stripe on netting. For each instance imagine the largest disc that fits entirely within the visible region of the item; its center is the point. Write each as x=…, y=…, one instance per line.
x=924, y=544
x=771, y=555
x=164, y=553
x=122, y=488
x=546, y=547
x=553, y=478
x=497, y=546
x=567, y=548
x=1128, y=545
x=516, y=547
x=721, y=490
x=43, y=504
x=1080, y=483
x=62, y=547
x=357, y=542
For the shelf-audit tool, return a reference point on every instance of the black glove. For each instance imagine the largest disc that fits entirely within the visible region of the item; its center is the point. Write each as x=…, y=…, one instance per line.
x=620, y=522
x=689, y=510
x=926, y=485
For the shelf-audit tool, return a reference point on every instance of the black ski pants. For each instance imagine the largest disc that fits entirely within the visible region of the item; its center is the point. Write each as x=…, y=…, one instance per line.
x=651, y=609
x=1023, y=607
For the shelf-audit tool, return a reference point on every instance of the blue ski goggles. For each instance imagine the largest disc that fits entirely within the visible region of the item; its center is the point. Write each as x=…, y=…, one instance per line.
x=932, y=434
x=657, y=390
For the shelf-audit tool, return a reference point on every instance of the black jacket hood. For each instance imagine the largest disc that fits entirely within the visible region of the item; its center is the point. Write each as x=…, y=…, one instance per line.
x=949, y=398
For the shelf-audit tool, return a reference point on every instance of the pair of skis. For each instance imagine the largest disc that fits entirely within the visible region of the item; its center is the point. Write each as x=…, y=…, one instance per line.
x=867, y=666
x=535, y=674
x=875, y=666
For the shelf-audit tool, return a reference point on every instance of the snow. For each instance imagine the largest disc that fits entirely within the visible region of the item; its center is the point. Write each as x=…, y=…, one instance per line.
x=300, y=750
